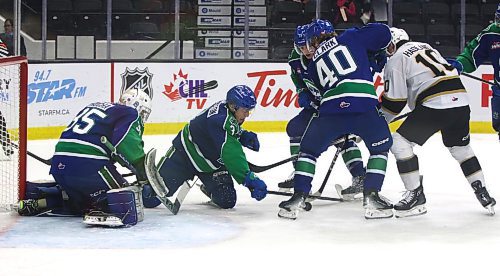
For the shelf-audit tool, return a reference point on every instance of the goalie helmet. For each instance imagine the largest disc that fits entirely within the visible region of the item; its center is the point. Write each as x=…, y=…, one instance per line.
x=241, y=96
x=397, y=35
x=138, y=100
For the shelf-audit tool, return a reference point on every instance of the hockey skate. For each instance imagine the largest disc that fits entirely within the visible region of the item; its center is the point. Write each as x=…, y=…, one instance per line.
x=28, y=207
x=290, y=208
x=484, y=197
x=412, y=204
x=350, y=192
x=287, y=185
x=376, y=206
x=99, y=218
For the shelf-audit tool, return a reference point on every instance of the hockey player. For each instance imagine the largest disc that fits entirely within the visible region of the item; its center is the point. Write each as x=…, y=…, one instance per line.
x=210, y=147
x=340, y=71
x=83, y=167
x=298, y=60
x=485, y=47
x=417, y=75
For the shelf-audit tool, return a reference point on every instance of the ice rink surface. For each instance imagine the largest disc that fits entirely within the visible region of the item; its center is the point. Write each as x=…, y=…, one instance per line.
x=455, y=237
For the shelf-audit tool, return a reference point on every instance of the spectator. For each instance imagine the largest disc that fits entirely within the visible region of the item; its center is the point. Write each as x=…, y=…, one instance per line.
x=346, y=11
x=8, y=38
x=366, y=14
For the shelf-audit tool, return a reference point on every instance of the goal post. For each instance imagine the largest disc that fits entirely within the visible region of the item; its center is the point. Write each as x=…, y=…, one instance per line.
x=13, y=129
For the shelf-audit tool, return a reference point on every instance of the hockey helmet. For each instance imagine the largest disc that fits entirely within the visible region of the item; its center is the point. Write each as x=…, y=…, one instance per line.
x=299, y=38
x=397, y=35
x=317, y=28
x=139, y=100
x=241, y=96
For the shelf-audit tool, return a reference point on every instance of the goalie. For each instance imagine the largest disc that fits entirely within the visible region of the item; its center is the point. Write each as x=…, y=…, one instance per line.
x=88, y=182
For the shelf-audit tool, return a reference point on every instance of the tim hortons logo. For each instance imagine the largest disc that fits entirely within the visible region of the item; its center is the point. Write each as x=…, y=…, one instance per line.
x=271, y=95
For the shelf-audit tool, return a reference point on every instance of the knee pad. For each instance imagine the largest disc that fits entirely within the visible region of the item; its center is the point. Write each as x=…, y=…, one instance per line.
x=126, y=204
x=149, y=198
x=401, y=148
x=466, y=158
x=224, y=196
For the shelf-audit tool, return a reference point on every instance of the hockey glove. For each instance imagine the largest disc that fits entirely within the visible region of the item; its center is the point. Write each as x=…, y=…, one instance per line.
x=306, y=100
x=455, y=63
x=495, y=108
x=377, y=62
x=249, y=140
x=257, y=187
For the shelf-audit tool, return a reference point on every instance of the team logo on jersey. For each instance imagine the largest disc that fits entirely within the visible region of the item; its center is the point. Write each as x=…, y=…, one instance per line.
x=495, y=45
x=137, y=79
x=181, y=87
x=344, y=105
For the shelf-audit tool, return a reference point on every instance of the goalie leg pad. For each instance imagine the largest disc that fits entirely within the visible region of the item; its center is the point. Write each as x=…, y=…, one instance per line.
x=126, y=204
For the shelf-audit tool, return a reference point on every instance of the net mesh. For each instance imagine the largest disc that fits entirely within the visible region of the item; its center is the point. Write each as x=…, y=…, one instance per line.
x=9, y=134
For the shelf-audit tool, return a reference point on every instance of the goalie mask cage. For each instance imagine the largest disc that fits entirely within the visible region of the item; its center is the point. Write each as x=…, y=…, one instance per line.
x=13, y=125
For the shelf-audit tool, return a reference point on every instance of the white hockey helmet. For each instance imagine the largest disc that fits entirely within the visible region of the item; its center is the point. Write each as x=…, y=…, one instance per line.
x=397, y=35
x=139, y=100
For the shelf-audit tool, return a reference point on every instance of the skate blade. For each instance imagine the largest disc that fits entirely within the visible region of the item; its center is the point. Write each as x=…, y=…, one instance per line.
x=378, y=214
x=105, y=221
x=491, y=209
x=415, y=211
x=292, y=215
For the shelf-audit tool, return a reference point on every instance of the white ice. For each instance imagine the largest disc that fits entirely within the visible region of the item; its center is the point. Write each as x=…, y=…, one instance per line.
x=455, y=237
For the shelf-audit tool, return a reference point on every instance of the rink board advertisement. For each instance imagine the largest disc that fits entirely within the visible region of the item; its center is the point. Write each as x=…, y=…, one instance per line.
x=56, y=92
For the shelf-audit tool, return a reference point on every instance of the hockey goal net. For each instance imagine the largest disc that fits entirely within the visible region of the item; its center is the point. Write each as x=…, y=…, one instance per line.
x=13, y=124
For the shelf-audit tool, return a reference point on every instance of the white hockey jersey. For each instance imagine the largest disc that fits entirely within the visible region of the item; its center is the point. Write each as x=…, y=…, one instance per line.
x=418, y=74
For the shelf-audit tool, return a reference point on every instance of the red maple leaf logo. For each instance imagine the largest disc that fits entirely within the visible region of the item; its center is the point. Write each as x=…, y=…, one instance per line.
x=172, y=89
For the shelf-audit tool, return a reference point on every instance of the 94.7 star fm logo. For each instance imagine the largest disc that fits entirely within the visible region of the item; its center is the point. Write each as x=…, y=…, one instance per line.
x=189, y=90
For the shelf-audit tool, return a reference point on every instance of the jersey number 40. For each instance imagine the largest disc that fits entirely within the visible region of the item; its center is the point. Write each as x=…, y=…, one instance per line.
x=338, y=62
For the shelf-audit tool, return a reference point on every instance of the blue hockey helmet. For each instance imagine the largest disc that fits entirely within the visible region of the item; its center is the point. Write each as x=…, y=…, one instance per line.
x=317, y=28
x=299, y=38
x=497, y=16
x=241, y=96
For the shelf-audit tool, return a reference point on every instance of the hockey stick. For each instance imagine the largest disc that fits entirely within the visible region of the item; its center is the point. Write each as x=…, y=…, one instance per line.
x=154, y=180
x=313, y=196
x=38, y=158
x=258, y=169
x=478, y=79
x=325, y=180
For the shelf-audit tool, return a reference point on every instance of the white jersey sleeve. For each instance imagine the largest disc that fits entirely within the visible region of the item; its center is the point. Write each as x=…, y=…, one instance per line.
x=418, y=74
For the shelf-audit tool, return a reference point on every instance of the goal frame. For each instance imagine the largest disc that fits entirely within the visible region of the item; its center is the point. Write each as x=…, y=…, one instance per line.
x=23, y=118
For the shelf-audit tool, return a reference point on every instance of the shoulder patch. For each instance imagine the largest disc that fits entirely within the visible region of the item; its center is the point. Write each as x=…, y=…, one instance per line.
x=214, y=109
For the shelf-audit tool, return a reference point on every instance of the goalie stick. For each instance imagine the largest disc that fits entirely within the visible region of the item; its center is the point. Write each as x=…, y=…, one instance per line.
x=153, y=176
